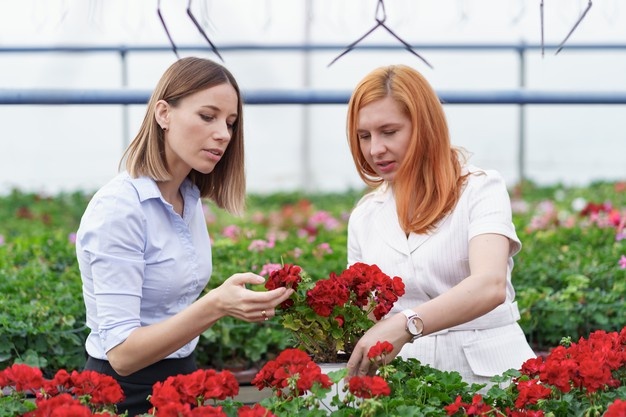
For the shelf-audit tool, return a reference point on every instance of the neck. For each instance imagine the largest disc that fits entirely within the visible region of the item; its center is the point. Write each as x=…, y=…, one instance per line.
x=170, y=190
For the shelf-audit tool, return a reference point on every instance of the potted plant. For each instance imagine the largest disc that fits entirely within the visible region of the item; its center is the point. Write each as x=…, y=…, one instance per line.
x=326, y=317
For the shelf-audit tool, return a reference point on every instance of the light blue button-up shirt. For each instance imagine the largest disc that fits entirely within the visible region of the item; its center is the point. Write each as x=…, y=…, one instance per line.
x=140, y=261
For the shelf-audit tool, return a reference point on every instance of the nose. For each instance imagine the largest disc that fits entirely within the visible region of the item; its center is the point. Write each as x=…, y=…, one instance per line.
x=223, y=132
x=377, y=146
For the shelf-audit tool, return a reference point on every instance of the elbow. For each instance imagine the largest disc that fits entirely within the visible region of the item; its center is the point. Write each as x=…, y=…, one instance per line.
x=499, y=291
x=120, y=366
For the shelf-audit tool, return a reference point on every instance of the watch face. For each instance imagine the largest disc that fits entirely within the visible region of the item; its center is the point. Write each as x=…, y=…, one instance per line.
x=413, y=326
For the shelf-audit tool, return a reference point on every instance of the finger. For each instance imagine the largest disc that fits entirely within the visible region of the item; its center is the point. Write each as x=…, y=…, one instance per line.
x=274, y=297
x=364, y=367
x=247, y=278
x=352, y=370
x=354, y=362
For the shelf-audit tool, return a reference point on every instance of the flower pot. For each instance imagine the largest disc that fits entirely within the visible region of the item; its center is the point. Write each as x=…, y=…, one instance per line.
x=338, y=388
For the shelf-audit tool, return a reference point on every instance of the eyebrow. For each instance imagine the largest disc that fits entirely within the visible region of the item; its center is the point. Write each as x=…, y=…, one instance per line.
x=382, y=127
x=217, y=109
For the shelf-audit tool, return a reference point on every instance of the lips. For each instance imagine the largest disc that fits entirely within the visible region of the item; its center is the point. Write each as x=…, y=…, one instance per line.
x=213, y=154
x=216, y=152
x=385, y=166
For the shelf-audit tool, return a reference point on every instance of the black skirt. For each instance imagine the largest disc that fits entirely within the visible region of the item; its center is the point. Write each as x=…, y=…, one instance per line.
x=138, y=386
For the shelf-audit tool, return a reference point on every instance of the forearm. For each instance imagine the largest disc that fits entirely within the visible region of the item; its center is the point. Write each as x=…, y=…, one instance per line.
x=149, y=344
x=471, y=298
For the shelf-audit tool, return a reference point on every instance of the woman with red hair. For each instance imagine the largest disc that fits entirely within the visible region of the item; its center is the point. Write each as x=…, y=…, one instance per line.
x=441, y=224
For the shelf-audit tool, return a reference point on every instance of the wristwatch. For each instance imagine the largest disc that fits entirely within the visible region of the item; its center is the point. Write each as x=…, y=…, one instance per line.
x=414, y=324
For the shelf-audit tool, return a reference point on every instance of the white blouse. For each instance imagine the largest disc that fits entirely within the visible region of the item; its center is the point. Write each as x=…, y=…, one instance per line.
x=431, y=264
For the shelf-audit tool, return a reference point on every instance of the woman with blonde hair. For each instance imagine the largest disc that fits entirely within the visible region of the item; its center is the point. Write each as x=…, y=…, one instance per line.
x=143, y=246
x=444, y=226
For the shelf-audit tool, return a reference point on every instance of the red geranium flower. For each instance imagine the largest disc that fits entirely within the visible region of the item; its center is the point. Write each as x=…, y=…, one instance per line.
x=22, y=378
x=368, y=386
x=257, y=410
x=291, y=374
x=380, y=349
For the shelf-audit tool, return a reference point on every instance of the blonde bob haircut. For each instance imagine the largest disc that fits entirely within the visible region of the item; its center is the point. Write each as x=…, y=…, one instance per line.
x=145, y=156
x=428, y=183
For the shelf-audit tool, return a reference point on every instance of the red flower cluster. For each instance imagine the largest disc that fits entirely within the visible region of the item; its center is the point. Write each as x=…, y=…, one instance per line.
x=587, y=365
x=289, y=277
x=476, y=408
x=101, y=389
x=76, y=393
x=88, y=394
x=596, y=209
x=584, y=370
x=617, y=409
x=180, y=394
x=380, y=349
x=327, y=294
x=367, y=282
x=368, y=386
x=257, y=410
x=291, y=374
x=22, y=378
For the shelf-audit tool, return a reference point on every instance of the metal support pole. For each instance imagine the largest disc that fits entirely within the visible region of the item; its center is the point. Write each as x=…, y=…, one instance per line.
x=306, y=172
x=521, y=150
x=125, y=110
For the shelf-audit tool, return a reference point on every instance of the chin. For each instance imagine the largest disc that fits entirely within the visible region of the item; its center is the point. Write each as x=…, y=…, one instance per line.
x=205, y=170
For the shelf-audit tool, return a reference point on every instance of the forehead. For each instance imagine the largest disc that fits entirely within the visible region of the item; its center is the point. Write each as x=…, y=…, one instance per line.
x=379, y=112
x=222, y=96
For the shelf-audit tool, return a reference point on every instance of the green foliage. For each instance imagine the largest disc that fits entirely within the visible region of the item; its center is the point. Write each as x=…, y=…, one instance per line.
x=42, y=316
x=567, y=277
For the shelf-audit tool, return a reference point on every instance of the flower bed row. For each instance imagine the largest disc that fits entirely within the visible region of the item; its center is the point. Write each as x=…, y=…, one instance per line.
x=582, y=378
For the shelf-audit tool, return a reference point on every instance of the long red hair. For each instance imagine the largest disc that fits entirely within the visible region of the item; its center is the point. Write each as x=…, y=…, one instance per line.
x=428, y=183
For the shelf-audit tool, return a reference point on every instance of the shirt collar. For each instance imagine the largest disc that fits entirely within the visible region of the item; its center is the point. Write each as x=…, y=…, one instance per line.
x=147, y=188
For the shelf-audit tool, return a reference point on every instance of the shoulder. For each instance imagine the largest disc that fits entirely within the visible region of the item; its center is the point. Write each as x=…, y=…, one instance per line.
x=487, y=181
x=478, y=176
x=118, y=201
x=370, y=201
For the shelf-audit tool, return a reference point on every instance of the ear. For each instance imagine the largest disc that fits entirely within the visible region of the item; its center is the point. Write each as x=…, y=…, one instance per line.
x=162, y=113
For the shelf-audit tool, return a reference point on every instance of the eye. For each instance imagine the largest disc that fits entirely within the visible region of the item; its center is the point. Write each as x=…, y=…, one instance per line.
x=207, y=117
x=363, y=136
x=389, y=132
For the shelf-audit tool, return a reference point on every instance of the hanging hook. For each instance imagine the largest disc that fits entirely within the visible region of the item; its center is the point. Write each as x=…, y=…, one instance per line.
x=167, y=32
x=196, y=24
x=582, y=16
x=202, y=32
x=380, y=17
x=542, y=42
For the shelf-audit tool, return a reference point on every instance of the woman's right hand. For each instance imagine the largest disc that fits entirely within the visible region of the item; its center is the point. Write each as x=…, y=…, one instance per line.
x=235, y=300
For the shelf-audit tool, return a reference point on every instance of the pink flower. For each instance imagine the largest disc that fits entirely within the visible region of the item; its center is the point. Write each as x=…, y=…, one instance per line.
x=231, y=232
x=324, y=219
x=269, y=268
x=622, y=262
x=259, y=245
